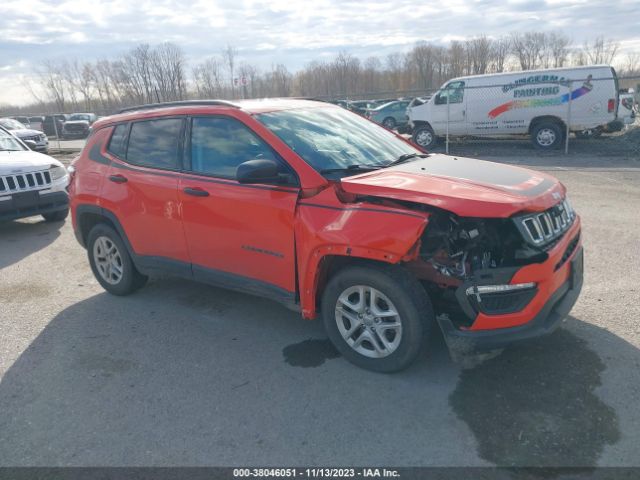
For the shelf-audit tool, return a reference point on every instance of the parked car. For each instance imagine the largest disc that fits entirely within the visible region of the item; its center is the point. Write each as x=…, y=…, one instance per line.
x=30, y=183
x=626, y=116
x=531, y=103
x=389, y=115
x=313, y=206
x=39, y=139
x=24, y=121
x=37, y=123
x=54, y=129
x=78, y=125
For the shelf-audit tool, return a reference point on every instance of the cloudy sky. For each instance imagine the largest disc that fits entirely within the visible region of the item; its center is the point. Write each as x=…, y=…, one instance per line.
x=293, y=32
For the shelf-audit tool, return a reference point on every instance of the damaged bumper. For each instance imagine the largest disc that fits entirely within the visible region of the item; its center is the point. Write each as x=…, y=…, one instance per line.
x=549, y=292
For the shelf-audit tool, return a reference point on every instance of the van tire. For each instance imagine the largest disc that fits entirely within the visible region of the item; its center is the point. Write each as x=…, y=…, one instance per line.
x=407, y=297
x=547, y=135
x=424, y=137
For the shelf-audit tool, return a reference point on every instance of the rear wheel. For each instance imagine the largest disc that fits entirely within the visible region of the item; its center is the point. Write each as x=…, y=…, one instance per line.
x=111, y=263
x=424, y=136
x=377, y=317
x=389, y=123
x=547, y=135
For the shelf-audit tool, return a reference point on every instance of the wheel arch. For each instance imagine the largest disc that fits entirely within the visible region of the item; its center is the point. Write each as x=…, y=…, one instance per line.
x=88, y=216
x=546, y=118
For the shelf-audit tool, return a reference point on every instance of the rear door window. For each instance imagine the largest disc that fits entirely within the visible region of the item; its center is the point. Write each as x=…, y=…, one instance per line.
x=155, y=143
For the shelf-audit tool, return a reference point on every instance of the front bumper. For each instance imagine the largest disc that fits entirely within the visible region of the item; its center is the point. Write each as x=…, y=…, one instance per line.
x=33, y=203
x=559, y=282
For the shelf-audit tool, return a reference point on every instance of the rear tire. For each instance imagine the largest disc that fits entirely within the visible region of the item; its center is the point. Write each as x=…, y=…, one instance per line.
x=389, y=123
x=58, y=216
x=424, y=137
x=378, y=317
x=111, y=263
x=547, y=135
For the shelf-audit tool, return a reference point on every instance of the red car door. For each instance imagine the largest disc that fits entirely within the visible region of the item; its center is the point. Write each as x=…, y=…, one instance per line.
x=141, y=187
x=237, y=234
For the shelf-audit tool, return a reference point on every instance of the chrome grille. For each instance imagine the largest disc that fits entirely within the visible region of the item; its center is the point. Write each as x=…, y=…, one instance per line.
x=21, y=182
x=34, y=138
x=543, y=228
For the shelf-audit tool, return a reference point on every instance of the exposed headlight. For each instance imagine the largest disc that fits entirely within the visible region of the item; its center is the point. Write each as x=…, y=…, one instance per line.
x=57, y=172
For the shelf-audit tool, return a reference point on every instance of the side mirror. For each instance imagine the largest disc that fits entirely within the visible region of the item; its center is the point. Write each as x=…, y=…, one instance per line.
x=257, y=171
x=30, y=143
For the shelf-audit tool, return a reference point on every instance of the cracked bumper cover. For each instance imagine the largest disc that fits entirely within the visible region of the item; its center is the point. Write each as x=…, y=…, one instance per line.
x=554, y=310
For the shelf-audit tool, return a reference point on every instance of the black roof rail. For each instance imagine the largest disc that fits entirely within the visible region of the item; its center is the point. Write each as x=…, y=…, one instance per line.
x=181, y=103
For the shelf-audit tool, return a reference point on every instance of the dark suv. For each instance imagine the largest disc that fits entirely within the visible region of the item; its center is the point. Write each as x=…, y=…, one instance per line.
x=328, y=213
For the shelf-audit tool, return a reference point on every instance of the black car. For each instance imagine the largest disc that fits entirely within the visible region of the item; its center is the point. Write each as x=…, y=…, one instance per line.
x=54, y=130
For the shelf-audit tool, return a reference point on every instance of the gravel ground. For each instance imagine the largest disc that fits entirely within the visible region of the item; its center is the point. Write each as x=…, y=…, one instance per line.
x=186, y=374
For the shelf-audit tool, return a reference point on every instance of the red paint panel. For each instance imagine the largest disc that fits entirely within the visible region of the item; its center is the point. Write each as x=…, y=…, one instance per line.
x=242, y=229
x=325, y=226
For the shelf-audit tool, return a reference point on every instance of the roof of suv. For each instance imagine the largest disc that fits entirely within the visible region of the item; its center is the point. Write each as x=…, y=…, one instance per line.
x=204, y=106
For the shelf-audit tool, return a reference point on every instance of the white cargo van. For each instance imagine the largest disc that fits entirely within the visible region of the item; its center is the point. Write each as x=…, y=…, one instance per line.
x=539, y=103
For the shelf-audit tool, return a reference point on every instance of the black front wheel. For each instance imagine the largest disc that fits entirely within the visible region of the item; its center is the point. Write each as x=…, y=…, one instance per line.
x=424, y=137
x=376, y=316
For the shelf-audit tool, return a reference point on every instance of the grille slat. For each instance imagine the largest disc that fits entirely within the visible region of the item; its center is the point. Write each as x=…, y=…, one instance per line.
x=544, y=228
x=24, y=181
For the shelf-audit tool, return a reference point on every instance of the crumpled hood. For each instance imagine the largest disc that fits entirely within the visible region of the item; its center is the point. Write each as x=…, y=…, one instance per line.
x=24, y=161
x=464, y=186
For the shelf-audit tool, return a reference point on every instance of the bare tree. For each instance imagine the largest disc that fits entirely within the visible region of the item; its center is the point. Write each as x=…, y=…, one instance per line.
x=229, y=55
x=558, y=47
x=499, y=53
x=480, y=50
x=600, y=51
x=529, y=48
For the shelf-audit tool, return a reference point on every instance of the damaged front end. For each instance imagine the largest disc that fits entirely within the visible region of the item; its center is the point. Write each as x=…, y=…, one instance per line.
x=468, y=263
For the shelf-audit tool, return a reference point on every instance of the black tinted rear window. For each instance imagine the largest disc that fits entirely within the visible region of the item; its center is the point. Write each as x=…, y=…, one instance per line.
x=117, y=144
x=155, y=143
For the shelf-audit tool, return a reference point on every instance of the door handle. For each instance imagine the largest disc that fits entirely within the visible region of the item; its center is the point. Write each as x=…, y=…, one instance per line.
x=196, y=192
x=118, y=178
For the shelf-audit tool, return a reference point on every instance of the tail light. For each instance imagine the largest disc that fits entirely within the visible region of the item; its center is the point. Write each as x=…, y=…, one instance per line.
x=627, y=103
x=612, y=105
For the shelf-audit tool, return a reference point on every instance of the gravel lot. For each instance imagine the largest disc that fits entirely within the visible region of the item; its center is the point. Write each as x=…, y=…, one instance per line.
x=186, y=374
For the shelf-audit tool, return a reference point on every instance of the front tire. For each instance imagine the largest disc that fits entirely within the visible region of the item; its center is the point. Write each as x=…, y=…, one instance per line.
x=58, y=216
x=547, y=135
x=111, y=263
x=424, y=137
x=377, y=317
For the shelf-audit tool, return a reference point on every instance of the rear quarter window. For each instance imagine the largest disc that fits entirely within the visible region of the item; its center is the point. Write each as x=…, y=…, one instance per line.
x=117, y=144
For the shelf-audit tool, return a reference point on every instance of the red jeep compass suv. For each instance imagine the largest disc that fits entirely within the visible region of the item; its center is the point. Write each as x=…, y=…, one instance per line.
x=332, y=215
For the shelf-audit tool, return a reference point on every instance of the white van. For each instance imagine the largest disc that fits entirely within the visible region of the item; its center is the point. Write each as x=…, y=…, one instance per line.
x=539, y=103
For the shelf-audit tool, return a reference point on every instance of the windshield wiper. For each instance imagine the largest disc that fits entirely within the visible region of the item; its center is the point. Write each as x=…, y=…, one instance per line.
x=354, y=167
x=406, y=157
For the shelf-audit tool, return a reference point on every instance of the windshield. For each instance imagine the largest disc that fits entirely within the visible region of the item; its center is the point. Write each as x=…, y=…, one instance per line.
x=79, y=117
x=333, y=138
x=11, y=124
x=9, y=143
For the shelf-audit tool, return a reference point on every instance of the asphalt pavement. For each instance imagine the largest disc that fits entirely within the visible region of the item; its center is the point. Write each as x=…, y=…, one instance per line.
x=186, y=374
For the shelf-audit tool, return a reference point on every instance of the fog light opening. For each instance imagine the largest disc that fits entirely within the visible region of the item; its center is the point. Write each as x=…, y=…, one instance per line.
x=478, y=290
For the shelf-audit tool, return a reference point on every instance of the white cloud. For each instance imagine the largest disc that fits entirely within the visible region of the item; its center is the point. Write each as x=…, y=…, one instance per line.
x=293, y=32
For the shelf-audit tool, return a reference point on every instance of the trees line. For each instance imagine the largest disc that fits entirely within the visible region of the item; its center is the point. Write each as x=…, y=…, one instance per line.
x=160, y=73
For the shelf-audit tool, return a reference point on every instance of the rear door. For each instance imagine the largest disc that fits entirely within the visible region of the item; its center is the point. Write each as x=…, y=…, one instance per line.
x=238, y=235
x=141, y=189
